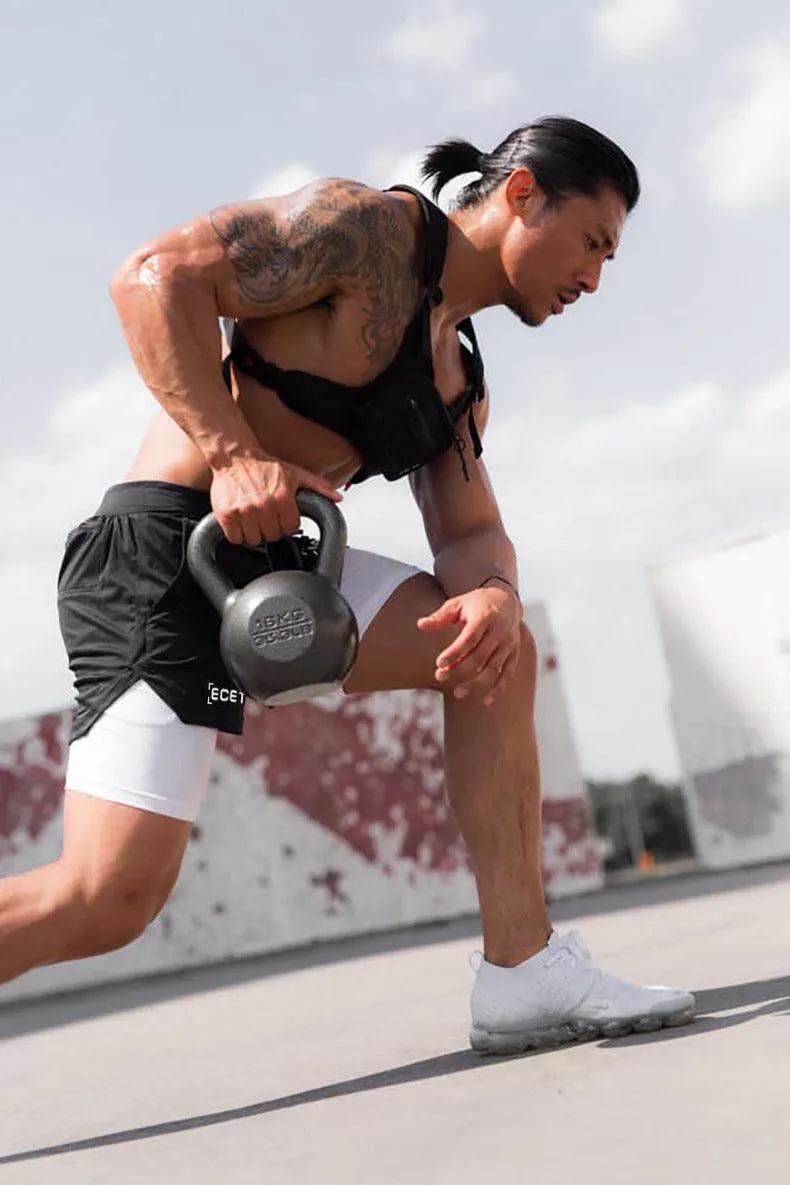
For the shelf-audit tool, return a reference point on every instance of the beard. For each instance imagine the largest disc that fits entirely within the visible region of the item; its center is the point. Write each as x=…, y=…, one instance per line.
x=525, y=314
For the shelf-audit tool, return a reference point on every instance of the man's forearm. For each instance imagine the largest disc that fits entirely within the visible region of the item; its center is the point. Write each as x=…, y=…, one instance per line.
x=172, y=331
x=468, y=562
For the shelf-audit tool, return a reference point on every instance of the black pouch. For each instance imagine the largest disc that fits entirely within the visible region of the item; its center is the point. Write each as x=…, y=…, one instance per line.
x=401, y=427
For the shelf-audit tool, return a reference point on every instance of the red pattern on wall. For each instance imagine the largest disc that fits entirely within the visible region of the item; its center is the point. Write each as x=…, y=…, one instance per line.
x=332, y=766
x=31, y=779
x=328, y=765
x=578, y=855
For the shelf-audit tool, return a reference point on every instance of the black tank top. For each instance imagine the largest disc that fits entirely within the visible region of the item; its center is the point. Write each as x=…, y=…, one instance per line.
x=397, y=421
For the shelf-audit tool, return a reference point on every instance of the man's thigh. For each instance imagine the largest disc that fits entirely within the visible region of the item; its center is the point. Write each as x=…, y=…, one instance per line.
x=393, y=653
x=134, y=787
x=121, y=856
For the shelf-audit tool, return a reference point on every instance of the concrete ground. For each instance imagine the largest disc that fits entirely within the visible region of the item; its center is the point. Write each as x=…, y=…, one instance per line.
x=349, y=1063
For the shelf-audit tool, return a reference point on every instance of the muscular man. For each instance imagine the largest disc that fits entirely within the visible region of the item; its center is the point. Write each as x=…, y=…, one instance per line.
x=350, y=353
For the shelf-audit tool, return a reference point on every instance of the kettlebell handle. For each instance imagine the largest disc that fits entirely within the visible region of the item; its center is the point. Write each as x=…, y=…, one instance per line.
x=205, y=537
x=331, y=524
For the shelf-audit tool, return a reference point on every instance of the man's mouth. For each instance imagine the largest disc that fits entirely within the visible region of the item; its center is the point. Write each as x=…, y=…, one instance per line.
x=561, y=299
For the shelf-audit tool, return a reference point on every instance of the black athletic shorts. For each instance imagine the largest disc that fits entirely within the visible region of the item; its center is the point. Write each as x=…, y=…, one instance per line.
x=130, y=609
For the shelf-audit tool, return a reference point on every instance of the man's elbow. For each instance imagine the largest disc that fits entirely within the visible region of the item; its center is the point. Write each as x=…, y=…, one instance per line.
x=144, y=272
x=130, y=271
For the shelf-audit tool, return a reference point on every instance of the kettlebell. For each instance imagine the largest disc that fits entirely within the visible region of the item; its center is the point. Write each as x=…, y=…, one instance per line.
x=286, y=636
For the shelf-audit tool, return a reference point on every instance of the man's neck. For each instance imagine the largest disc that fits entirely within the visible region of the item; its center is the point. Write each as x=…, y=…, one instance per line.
x=472, y=278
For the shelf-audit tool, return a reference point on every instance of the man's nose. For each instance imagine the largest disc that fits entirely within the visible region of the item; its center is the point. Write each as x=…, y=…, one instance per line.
x=589, y=279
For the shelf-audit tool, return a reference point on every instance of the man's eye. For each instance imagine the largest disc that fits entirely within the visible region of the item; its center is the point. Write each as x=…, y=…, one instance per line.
x=592, y=245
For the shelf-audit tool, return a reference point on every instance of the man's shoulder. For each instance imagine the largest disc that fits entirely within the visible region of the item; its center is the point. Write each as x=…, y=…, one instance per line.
x=343, y=208
x=338, y=192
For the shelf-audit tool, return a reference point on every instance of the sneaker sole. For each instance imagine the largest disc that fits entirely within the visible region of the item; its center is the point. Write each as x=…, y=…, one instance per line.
x=487, y=1042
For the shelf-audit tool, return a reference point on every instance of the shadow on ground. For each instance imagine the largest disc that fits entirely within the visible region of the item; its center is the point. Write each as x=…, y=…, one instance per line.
x=37, y=1015
x=761, y=998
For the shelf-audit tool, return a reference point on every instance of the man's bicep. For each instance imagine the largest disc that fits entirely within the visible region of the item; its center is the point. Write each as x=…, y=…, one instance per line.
x=282, y=254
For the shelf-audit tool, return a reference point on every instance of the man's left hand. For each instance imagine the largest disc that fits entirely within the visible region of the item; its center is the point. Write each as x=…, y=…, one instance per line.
x=482, y=658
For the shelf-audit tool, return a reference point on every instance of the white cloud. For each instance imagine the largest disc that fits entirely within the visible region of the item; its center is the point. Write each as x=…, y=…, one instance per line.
x=89, y=438
x=88, y=443
x=592, y=501
x=632, y=28
x=404, y=168
x=286, y=180
x=442, y=36
x=397, y=168
x=745, y=158
x=488, y=87
x=446, y=37
x=635, y=485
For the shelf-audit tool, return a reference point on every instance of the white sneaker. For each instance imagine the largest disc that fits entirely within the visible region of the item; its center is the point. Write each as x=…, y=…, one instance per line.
x=558, y=996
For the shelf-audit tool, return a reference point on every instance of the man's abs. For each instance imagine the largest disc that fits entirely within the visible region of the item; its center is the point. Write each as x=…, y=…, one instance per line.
x=323, y=341
x=167, y=453
x=300, y=341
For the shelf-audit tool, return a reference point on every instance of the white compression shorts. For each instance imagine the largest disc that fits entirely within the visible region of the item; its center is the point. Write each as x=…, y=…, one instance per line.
x=139, y=754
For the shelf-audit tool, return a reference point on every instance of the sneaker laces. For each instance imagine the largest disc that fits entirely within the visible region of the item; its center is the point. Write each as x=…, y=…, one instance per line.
x=571, y=949
x=568, y=947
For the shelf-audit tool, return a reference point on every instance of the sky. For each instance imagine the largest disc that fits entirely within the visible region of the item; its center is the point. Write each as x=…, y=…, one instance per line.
x=650, y=421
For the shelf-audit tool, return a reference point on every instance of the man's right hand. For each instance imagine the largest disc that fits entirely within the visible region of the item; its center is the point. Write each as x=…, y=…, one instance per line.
x=254, y=498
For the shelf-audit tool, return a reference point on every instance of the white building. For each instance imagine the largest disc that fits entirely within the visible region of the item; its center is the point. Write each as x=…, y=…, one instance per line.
x=724, y=616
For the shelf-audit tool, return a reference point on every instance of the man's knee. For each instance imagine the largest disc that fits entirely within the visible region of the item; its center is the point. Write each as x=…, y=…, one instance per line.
x=528, y=652
x=104, y=914
x=524, y=678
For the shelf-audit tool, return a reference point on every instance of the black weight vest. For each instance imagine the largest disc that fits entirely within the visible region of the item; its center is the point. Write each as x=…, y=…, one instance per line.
x=397, y=422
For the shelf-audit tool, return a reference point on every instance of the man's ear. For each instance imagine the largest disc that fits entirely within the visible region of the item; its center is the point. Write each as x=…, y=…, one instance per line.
x=521, y=189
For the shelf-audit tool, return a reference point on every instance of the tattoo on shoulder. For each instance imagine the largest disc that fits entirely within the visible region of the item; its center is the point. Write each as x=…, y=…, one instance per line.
x=340, y=231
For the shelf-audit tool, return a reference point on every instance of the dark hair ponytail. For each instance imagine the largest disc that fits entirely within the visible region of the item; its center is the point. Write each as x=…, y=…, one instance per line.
x=567, y=157
x=451, y=159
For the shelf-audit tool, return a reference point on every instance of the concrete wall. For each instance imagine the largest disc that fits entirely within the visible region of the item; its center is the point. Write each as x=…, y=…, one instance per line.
x=725, y=622
x=325, y=819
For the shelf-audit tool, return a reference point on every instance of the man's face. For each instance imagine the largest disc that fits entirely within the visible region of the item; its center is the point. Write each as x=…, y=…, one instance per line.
x=551, y=256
